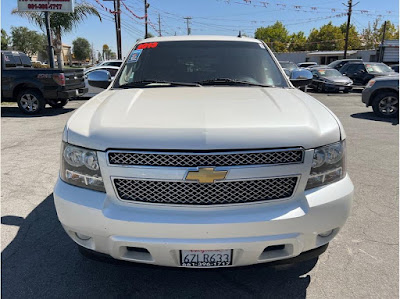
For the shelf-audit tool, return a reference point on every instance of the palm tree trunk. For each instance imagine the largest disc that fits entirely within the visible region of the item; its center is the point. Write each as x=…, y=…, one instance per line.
x=59, y=49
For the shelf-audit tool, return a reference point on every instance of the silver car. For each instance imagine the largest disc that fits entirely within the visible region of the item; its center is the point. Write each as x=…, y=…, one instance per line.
x=92, y=91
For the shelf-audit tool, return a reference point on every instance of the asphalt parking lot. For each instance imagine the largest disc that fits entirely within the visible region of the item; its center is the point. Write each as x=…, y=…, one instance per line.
x=39, y=260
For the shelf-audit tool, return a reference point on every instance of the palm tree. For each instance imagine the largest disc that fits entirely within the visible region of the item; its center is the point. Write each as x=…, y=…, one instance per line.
x=60, y=23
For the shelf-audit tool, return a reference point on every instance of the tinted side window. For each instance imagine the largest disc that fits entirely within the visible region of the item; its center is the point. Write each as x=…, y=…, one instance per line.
x=9, y=60
x=112, y=72
x=17, y=60
x=26, y=62
x=115, y=63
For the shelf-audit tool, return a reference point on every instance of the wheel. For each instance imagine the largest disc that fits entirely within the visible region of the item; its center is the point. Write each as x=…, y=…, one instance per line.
x=320, y=88
x=30, y=101
x=386, y=104
x=346, y=91
x=57, y=103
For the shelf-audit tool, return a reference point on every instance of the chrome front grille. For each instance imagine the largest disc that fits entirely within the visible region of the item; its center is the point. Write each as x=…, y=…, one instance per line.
x=188, y=193
x=286, y=156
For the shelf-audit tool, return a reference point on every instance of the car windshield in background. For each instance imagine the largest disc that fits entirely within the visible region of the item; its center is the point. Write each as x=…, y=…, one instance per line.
x=204, y=62
x=329, y=73
x=289, y=65
x=378, y=68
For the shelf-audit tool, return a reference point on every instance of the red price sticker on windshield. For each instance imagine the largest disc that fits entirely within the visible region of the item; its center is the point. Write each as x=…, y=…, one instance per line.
x=147, y=46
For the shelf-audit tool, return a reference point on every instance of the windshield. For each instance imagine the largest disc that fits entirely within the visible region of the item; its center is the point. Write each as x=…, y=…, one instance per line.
x=288, y=65
x=329, y=73
x=378, y=68
x=222, y=62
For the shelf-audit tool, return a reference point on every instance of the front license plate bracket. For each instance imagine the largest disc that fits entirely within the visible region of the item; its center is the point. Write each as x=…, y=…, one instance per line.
x=206, y=258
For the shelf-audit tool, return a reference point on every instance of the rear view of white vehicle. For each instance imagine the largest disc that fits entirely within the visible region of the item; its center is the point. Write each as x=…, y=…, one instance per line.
x=201, y=153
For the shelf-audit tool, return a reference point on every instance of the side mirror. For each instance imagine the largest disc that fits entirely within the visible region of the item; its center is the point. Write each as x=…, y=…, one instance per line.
x=100, y=79
x=301, y=77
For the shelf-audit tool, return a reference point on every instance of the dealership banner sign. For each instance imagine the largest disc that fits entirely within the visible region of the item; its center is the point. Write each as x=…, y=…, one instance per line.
x=46, y=5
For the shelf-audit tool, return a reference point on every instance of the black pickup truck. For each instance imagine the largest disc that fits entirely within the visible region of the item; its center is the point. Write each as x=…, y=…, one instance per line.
x=33, y=88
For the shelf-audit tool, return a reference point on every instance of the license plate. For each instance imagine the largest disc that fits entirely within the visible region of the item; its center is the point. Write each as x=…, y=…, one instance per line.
x=206, y=258
x=341, y=88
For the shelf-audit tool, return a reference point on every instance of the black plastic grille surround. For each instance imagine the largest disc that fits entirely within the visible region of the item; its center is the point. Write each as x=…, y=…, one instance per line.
x=192, y=193
x=291, y=156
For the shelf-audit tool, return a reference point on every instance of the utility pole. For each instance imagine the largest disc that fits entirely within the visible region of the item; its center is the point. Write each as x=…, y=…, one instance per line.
x=117, y=17
x=382, y=42
x=159, y=25
x=50, y=43
x=187, y=25
x=346, y=41
x=146, y=6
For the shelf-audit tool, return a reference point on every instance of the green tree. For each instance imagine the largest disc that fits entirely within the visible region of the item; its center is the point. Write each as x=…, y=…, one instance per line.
x=60, y=23
x=275, y=36
x=328, y=37
x=5, y=40
x=28, y=41
x=372, y=35
x=106, y=52
x=81, y=48
x=99, y=56
x=298, y=42
x=354, y=37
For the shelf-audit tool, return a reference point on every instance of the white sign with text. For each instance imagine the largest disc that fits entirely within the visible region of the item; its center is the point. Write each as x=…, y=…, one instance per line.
x=46, y=5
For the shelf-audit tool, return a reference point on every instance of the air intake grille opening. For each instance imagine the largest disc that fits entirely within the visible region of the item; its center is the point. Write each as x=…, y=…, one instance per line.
x=188, y=193
x=212, y=159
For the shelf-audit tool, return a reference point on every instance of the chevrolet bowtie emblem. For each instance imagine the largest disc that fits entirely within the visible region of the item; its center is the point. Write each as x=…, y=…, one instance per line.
x=206, y=175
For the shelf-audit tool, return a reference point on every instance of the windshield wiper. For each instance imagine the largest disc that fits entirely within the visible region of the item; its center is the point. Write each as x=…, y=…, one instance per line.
x=143, y=83
x=230, y=81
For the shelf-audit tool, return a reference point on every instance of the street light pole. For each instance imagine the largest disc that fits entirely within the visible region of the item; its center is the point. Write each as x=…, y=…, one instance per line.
x=146, y=6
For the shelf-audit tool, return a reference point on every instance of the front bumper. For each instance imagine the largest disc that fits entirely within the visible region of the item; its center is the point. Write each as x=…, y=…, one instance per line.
x=333, y=87
x=366, y=96
x=115, y=228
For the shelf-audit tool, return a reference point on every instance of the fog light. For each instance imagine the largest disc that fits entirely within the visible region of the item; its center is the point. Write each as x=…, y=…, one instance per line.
x=82, y=237
x=326, y=234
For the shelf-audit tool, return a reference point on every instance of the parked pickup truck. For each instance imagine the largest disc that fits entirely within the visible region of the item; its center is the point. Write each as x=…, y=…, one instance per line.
x=202, y=153
x=33, y=88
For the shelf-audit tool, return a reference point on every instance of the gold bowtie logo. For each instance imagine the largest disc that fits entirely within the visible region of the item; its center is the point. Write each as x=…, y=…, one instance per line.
x=206, y=175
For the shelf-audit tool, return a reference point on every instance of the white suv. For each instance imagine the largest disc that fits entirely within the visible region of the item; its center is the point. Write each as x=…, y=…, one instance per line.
x=201, y=153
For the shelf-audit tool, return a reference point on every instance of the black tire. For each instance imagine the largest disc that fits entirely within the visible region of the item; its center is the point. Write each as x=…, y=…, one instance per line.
x=320, y=88
x=346, y=91
x=57, y=103
x=386, y=104
x=31, y=101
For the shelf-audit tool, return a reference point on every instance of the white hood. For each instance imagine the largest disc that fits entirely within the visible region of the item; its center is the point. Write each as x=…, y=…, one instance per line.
x=202, y=118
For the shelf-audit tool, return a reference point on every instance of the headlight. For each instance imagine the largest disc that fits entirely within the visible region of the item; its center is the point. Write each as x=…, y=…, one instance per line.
x=370, y=83
x=80, y=167
x=328, y=165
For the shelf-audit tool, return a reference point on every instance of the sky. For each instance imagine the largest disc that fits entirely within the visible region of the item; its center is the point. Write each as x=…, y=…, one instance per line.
x=222, y=17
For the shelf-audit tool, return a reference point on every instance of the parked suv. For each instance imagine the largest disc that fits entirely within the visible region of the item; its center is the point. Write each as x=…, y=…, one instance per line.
x=201, y=153
x=362, y=72
x=337, y=64
x=382, y=94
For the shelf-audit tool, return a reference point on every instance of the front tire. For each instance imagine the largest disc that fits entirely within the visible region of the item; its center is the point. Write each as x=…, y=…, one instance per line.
x=58, y=103
x=386, y=104
x=31, y=101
